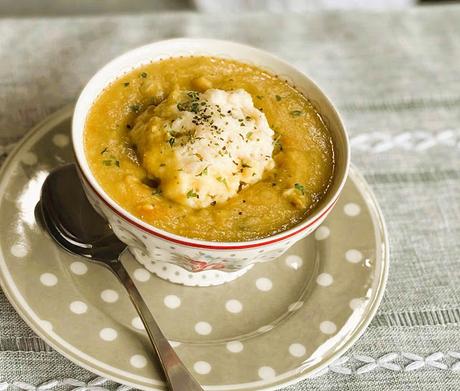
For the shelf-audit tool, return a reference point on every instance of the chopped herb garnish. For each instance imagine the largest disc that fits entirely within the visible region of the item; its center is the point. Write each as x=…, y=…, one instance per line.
x=244, y=165
x=204, y=172
x=126, y=84
x=194, y=107
x=192, y=194
x=248, y=135
x=278, y=98
x=162, y=164
x=104, y=150
x=295, y=113
x=222, y=180
x=300, y=188
x=128, y=126
x=107, y=162
x=171, y=141
x=144, y=75
x=213, y=203
x=135, y=108
x=156, y=191
x=117, y=163
x=259, y=97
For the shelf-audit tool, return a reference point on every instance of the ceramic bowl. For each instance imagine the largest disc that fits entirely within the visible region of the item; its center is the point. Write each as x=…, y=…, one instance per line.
x=178, y=258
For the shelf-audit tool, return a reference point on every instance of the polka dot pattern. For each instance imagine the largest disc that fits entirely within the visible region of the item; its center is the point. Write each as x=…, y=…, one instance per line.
x=327, y=327
x=297, y=350
x=322, y=233
x=172, y=301
x=78, y=307
x=266, y=373
x=294, y=262
x=353, y=256
x=138, y=361
x=357, y=303
x=19, y=250
x=78, y=268
x=264, y=284
x=203, y=328
x=234, y=346
x=109, y=296
x=351, y=209
x=234, y=306
x=29, y=158
x=324, y=279
x=108, y=334
x=137, y=323
x=202, y=367
x=48, y=279
x=60, y=140
x=141, y=275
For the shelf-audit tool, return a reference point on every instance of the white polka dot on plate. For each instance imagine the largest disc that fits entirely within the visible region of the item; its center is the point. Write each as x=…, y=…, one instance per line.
x=203, y=328
x=327, y=327
x=202, y=367
x=60, y=140
x=19, y=250
x=266, y=373
x=29, y=158
x=108, y=334
x=141, y=275
x=322, y=233
x=137, y=323
x=109, y=295
x=48, y=279
x=46, y=325
x=264, y=284
x=351, y=209
x=357, y=303
x=353, y=256
x=294, y=262
x=174, y=344
x=297, y=350
x=295, y=306
x=78, y=268
x=234, y=346
x=234, y=306
x=172, y=301
x=138, y=361
x=78, y=307
x=324, y=279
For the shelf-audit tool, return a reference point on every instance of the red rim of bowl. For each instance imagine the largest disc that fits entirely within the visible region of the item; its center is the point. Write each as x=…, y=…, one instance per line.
x=197, y=243
x=185, y=243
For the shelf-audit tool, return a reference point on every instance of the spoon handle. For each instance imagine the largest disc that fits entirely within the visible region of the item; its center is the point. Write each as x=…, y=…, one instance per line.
x=177, y=375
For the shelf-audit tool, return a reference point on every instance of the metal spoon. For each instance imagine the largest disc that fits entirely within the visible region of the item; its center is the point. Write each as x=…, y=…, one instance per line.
x=72, y=222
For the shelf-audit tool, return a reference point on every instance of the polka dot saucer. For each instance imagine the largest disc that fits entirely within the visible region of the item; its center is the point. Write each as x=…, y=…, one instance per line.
x=282, y=321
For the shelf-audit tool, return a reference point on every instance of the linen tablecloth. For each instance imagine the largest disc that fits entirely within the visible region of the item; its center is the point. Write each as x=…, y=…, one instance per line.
x=395, y=77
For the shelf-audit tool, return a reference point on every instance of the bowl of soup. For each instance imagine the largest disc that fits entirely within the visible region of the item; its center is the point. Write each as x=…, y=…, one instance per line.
x=208, y=156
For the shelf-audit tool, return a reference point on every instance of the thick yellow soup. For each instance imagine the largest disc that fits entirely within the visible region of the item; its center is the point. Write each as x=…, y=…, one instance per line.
x=209, y=149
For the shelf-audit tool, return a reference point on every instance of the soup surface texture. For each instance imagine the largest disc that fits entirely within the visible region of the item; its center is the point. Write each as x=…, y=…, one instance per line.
x=160, y=143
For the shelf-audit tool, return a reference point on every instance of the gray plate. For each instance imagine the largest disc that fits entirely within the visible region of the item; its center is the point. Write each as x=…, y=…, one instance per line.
x=281, y=322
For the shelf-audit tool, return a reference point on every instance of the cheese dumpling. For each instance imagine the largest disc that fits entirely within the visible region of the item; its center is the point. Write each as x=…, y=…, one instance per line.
x=204, y=147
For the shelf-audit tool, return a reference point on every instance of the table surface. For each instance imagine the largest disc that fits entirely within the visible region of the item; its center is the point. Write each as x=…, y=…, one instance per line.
x=395, y=77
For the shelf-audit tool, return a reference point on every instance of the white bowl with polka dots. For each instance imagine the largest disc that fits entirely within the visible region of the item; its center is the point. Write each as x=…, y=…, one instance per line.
x=181, y=259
